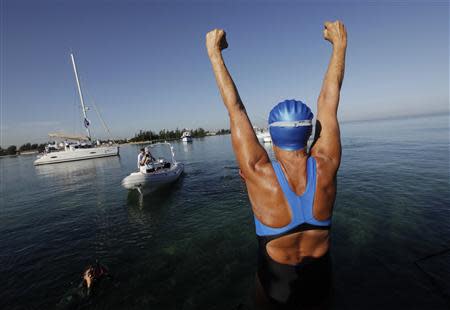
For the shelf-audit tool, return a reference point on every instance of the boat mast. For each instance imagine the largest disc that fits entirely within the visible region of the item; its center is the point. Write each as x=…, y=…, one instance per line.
x=83, y=107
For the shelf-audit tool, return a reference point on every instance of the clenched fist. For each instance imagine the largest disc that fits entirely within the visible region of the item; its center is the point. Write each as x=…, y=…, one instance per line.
x=335, y=33
x=216, y=41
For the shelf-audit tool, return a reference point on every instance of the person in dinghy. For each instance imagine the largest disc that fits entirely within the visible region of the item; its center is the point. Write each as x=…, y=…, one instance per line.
x=145, y=157
x=155, y=169
x=292, y=198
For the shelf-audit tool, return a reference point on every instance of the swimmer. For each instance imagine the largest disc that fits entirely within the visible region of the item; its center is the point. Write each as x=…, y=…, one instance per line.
x=79, y=297
x=292, y=198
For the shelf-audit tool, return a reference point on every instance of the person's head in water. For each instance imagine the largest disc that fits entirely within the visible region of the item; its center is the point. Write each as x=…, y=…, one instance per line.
x=94, y=273
x=290, y=125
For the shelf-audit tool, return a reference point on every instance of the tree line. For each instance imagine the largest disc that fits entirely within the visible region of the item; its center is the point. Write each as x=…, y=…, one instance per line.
x=223, y=132
x=148, y=135
x=12, y=149
x=141, y=136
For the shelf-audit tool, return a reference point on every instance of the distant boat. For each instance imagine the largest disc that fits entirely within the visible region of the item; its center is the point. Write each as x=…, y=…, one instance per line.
x=164, y=170
x=75, y=147
x=186, y=137
x=263, y=135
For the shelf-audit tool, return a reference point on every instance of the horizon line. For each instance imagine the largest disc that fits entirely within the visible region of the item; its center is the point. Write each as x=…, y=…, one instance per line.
x=381, y=118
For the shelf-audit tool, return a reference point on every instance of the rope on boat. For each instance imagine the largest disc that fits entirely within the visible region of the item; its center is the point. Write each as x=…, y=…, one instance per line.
x=105, y=127
x=102, y=121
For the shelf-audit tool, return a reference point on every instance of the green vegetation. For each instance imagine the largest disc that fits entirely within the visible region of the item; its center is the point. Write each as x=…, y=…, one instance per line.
x=167, y=135
x=30, y=147
x=11, y=150
x=148, y=135
x=223, y=132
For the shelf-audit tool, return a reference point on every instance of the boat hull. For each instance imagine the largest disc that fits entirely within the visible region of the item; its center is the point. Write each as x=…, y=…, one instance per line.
x=264, y=136
x=148, y=182
x=75, y=155
x=267, y=139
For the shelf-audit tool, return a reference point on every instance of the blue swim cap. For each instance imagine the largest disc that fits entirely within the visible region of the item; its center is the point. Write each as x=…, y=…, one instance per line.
x=290, y=125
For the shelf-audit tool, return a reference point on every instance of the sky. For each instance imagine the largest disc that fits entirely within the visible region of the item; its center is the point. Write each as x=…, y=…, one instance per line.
x=145, y=66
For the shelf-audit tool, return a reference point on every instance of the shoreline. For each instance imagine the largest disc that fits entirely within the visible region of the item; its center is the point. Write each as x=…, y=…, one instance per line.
x=34, y=152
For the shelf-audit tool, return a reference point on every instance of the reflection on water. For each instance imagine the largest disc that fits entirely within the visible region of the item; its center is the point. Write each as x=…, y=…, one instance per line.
x=77, y=168
x=188, y=147
x=76, y=175
x=156, y=197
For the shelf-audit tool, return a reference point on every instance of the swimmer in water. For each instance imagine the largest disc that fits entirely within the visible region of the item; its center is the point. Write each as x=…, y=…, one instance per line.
x=292, y=197
x=80, y=297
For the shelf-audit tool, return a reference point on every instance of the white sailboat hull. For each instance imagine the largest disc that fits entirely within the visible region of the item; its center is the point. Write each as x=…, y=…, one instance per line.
x=147, y=182
x=76, y=154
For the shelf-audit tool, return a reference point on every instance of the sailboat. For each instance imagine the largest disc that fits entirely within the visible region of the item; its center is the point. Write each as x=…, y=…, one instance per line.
x=75, y=147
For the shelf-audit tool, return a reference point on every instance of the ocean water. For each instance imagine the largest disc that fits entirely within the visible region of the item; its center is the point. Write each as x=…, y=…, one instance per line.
x=192, y=245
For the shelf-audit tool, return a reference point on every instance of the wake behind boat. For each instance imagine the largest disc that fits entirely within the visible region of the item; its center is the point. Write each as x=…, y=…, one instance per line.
x=161, y=170
x=75, y=147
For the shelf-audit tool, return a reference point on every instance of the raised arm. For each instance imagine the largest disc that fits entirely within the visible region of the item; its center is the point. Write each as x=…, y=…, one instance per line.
x=328, y=142
x=248, y=150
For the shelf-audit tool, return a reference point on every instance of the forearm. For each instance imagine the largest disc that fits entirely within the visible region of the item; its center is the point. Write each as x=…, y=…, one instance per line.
x=241, y=130
x=245, y=144
x=334, y=76
x=227, y=88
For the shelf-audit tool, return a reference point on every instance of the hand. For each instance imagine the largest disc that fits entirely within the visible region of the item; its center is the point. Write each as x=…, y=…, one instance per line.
x=88, y=278
x=335, y=33
x=216, y=41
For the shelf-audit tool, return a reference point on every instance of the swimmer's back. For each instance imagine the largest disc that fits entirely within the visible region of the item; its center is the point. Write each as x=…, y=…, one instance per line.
x=271, y=208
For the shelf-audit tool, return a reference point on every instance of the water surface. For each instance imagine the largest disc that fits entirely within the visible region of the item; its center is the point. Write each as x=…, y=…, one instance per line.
x=192, y=245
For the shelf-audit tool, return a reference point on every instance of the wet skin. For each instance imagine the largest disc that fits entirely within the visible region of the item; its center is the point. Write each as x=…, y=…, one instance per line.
x=266, y=196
